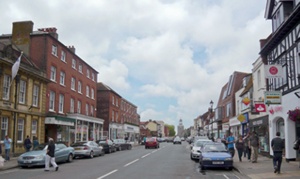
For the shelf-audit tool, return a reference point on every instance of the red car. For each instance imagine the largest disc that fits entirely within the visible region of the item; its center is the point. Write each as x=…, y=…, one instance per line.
x=151, y=142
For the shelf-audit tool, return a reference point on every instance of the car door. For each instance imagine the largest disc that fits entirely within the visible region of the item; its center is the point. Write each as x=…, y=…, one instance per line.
x=96, y=148
x=58, y=152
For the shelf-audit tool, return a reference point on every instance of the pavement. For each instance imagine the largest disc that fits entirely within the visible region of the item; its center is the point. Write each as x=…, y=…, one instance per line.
x=263, y=169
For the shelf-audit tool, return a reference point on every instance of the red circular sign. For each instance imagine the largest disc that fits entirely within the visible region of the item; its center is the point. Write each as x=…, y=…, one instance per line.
x=273, y=70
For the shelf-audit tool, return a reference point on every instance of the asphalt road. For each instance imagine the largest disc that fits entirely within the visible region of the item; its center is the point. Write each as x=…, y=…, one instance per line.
x=168, y=162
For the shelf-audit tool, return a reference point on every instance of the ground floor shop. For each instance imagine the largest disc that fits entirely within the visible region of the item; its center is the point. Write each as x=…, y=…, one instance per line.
x=261, y=126
x=280, y=121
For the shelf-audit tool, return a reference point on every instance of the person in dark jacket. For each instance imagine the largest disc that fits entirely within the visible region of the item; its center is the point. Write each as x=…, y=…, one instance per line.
x=50, y=158
x=27, y=144
x=239, y=145
x=277, y=145
x=35, y=142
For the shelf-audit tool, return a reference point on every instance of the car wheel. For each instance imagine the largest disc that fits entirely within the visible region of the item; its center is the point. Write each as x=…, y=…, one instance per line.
x=70, y=158
x=91, y=154
x=229, y=168
x=109, y=150
x=129, y=147
x=146, y=147
x=191, y=157
x=120, y=149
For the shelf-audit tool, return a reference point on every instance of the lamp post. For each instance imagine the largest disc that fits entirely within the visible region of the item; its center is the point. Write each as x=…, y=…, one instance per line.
x=211, y=119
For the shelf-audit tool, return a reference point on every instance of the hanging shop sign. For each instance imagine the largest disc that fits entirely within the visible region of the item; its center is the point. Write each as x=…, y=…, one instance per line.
x=273, y=97
x=260, y=107
x=246, y=101
x=273, y=71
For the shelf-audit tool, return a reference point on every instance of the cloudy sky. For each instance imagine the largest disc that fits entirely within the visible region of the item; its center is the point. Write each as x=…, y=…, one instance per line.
x=168, y=57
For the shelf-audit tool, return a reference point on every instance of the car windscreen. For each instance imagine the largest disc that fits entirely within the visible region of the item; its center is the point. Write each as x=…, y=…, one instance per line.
x=41, y=147
x=150, y=139
x=214, y=148
x=200, y=143
x=79, y=144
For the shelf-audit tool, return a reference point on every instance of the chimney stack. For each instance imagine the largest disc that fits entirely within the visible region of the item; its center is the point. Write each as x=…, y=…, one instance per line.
x=72, y=48
x=51, y=31
x=21, y=35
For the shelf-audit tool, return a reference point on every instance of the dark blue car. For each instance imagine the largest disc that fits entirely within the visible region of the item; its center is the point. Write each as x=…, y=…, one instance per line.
x=215, y=155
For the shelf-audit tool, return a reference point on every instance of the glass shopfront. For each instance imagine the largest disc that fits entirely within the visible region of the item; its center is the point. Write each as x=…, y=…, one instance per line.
x=261, y=127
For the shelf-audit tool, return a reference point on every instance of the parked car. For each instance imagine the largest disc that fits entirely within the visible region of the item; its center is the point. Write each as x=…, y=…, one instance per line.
x=170, y=139
x=151, y=142
x=197, y=138
x=108, y=145
x=36, y=157
x=215, y=155
x=197, y=147
x=121, y=144
x=177, y=140
x=87, y=149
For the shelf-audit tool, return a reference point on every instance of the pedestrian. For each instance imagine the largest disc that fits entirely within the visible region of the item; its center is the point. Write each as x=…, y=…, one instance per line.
x=50, y=158
x=224, y=141
x=277, y=145
x=35, y=142
x=247, y=147
x=230, y=144
x=27, y=144
x=254, y=143
x=7, y=143
x=239, y=145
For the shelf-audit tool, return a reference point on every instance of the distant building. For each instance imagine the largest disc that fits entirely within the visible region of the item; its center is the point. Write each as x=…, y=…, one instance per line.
x=180, y=129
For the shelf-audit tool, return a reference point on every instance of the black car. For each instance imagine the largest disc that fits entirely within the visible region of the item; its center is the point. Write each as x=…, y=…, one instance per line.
x=108, y=145
x=122, y=144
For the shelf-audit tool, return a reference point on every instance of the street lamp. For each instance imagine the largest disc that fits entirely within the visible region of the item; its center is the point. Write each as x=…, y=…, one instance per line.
x=211, y=120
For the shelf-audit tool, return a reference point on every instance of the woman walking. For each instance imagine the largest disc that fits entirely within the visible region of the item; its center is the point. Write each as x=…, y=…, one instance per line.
x=239, y=145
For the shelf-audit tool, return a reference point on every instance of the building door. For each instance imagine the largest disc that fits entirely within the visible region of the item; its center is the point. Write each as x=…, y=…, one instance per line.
x=280, y=128
x=297, y=136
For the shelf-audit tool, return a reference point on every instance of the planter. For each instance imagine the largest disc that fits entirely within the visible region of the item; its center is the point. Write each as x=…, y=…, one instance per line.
x=294, y=115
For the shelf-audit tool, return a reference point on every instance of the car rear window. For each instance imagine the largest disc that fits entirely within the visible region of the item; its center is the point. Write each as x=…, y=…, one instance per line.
x=79, y=144
x=150, y=139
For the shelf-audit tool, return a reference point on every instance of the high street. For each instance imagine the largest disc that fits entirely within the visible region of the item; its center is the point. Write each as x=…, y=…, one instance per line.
x=169, y=161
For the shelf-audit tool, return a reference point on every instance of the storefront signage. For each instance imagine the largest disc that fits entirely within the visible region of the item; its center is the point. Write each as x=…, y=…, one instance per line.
x=246, y=101
x=273, y=109
x=273, y=71
x=225, y=127
x=260, y=107
x=273, y=97
x=262, y=121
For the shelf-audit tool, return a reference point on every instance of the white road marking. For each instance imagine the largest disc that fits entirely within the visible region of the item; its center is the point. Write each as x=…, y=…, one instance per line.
x=145, y=155
x=103, y=176
x=8, y=171
x=154, y=151
x=225, y=176
x=131, y=163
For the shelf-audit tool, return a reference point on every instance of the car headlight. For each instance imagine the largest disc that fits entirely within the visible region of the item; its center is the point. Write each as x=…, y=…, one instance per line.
x=228, y=159
x=205, y=158
x=20, y=157
x=39, y=157
x=101, y=147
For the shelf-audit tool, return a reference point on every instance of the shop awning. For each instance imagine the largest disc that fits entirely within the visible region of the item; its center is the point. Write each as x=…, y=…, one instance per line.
x=60, y=120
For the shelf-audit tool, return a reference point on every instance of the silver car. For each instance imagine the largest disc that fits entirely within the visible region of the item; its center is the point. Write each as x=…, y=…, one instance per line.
x=87, y=149
x=195, y=152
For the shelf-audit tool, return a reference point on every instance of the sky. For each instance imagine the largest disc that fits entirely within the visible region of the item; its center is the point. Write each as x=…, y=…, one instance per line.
x=170, y=58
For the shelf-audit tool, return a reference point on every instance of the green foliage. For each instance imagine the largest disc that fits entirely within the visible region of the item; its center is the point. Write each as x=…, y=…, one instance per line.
x=171, y=130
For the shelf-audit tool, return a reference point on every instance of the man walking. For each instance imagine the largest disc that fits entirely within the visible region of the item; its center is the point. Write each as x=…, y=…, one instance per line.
x=7, y=141
x=277, y=145
x=254, y=143
x=230, y=144
x=27, y=144
x=50, y=156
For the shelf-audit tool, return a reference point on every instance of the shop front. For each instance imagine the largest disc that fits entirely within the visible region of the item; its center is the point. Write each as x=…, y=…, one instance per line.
x=235, y=127
x=132, y=133
x=86, y=128
x=59, y=128
x=116, y=131
x=261, y=127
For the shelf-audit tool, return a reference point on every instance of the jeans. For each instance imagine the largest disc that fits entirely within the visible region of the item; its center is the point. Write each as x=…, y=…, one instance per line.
x=277, y=159
x=247, y=152
x=231, y=151
x=7, y=151
x=240, y=154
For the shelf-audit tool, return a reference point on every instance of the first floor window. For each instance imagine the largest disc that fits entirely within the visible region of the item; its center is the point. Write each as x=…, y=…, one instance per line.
x=20, y=130
x=35, y=95
x=6, y=84
x=72, y=105
x=61, y=103
x=4, y=127
x=79, y=107
x=34, y=127
x=22, y=93
x=51, y=101
x=86, y=109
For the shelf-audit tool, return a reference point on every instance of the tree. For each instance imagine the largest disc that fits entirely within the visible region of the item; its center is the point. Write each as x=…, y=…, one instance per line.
x=171, y=129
